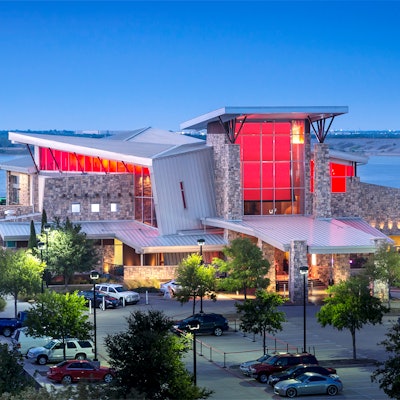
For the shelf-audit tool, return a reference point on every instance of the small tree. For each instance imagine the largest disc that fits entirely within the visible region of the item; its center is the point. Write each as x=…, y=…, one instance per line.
x=385, y=266
x=20, y=273
x=59, y=316
x=32, y=242
x=12, y=376
x=196, y=279
x=350, y=306
x=147, y=360
x=260, y=315
x=388, y=373
x=44, y=220
x=245, y=266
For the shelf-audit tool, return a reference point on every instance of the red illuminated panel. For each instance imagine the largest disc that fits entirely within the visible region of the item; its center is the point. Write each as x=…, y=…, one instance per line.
x=253, y=194
x=250, y=146
x=251, y=175
x=282, y=147
x=268, y=175
x=267, y=147
x=282, y=173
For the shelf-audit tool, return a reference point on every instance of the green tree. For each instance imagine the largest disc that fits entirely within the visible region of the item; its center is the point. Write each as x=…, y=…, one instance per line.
x=385, y=266
x=351, y=306
x=69, y=250
x=147, y=360
x=196, y=279
x=32, y=242
x=12, y=377
x=44, y=220
x=20, y=273
x=59, y=316
x=260, y=316
x=245, y=266
x=388, y=373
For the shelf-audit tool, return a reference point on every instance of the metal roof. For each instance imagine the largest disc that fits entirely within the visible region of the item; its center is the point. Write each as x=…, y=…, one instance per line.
x=19, y=164
x=143, y=238
x=228, y=113
x=323, y=236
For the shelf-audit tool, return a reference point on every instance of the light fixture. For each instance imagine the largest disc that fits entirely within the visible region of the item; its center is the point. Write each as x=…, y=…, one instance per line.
x=304, y=272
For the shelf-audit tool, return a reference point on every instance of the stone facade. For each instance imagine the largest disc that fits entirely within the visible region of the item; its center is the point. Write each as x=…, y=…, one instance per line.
x=161, y=273
x=229, y=202
x=298, y=258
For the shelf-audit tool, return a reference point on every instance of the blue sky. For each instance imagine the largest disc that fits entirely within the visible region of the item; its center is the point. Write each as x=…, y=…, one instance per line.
x=130, y=64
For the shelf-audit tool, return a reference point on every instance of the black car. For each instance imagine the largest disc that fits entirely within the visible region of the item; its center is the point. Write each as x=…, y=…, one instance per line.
x=297, y=370
x=215, y=324
x=109, y=301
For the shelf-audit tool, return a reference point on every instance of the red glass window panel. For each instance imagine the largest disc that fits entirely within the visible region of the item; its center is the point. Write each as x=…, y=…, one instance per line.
x=349, y=171
x=338, y=185
x=253, y=194
x=251, y=175
x=250, y=146
x=267, y=147
x=268, y=194
x=282, y=128
x=268, y=175
x=338, y=169
x=282, y=175
x=283, y=194
x=73, y=162
x=282, y=147
x=267, y=128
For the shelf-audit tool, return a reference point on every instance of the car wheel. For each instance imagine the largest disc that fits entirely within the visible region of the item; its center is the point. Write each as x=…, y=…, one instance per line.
x=81, y=356
x=66, y=380
x=332, y=390
x=291, y=392
x=7, y=332
x=263, y=378
x=42, y=360
x=108, y=378
x=217, y=331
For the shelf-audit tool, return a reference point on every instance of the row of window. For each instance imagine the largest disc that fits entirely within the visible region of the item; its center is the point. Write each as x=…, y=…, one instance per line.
x=94, y=207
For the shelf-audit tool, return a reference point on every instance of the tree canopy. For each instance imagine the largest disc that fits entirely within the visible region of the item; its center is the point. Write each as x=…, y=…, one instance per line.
x=20, y=273
x=147, y=360
x=245, y=266
x=196, y=279
x=349, y=305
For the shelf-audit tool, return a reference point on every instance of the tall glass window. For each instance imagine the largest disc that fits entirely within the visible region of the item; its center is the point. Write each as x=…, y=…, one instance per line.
x=272, y=160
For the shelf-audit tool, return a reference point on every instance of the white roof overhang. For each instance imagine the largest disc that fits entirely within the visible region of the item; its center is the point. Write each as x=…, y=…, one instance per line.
x=224, y=114
x=323, y=236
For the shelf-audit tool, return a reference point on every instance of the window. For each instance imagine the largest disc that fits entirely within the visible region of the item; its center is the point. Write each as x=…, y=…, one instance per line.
x=76, y=208
x=71, y=345
x=114, y=207
x=95, y=207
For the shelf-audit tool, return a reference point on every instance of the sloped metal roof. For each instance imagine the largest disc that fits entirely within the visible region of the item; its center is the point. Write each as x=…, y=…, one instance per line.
x=19, y=164
x=228, y=113
x=143, y=238
x=323, y=236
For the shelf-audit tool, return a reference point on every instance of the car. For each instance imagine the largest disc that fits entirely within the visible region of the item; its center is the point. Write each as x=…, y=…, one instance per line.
x=120, y=292
x=171, y=287
x=309, y=383
x=245, y=366
x=212, y=323
x=297, y=370
x=109, y=301
x=279, y=363
x=53, y=351
x=22, y=342
x=79, y=370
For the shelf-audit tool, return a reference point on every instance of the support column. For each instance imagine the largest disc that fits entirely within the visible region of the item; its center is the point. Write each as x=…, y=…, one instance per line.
x=322, y=182
x=298, y=258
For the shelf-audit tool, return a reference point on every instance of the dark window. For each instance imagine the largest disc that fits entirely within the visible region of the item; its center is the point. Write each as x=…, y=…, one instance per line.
x=85, y=344
x=317, y=379
x=71, y=345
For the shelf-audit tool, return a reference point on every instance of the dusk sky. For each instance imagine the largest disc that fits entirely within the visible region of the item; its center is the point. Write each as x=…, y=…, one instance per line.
x=126, y=65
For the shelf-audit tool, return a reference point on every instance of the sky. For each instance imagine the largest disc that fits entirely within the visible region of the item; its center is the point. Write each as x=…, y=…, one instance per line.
x=101, y=65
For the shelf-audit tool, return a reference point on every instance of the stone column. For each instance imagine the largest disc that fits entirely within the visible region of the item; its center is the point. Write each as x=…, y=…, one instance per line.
x=229, y=203
x=298, y=258
x=322, y=182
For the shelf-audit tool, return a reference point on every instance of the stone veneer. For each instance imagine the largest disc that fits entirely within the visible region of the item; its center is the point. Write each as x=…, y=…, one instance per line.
x=229, y=203
x=298, y=258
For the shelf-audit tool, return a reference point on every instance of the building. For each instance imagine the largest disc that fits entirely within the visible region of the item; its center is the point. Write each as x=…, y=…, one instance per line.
x=149, y=195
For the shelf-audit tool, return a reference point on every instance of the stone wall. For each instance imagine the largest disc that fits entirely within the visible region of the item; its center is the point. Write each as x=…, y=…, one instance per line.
x=322, y=182
x=161, y=273
x=298, y=258
x=64, y=190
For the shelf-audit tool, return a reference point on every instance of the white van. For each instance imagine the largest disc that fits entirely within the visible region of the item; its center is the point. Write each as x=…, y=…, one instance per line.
x=23, y=342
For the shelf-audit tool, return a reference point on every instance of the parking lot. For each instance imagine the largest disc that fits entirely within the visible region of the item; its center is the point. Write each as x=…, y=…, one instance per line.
x=218, y=358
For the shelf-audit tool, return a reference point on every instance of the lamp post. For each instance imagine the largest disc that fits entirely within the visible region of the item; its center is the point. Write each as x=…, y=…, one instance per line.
x=304, y=272
x=194, y=325
x=201, y=242
x=94, y=275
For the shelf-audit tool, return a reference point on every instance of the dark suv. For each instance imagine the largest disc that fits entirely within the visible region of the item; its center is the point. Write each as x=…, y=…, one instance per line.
x=207, y=323
x=279, y=363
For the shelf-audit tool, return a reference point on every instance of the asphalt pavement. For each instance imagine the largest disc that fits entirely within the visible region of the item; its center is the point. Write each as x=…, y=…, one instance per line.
x=218, y=358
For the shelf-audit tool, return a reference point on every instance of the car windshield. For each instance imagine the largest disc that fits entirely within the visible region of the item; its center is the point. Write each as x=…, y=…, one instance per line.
x=263, y=358
x=292, y=369
x=120, y=289
x=302, y=378
x=271, y=360
x=50, y=344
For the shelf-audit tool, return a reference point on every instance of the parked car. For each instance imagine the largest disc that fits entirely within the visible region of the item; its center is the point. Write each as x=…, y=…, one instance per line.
x=119, y=291
x=79, y=370
x=171, y=287
x=245, y=366
x=215, y=324
x=53, y=351
x=279, y=363
x=295, y=371
x=109, y=301
x=9, y=325
x=309, y=383
x=22, y=342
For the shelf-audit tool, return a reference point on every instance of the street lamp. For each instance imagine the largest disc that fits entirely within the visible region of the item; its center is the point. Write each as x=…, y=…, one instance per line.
x=94, y=275
x=304, y=272
x=194, y=326
x=201, y=242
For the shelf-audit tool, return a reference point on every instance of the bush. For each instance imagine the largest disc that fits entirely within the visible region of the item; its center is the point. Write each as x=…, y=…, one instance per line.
x=152, y=285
